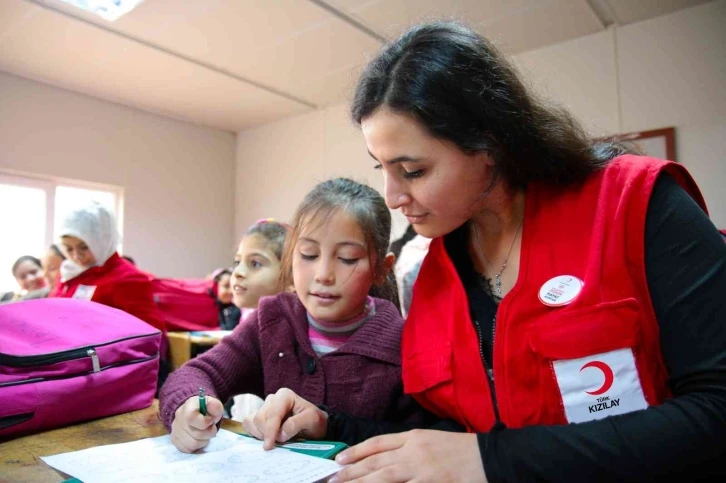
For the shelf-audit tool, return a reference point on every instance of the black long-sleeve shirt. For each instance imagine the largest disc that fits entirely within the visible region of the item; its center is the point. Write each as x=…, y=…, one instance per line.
x=685, y=437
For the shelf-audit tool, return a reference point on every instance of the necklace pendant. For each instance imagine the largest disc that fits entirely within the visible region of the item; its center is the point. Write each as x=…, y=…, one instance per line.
x=498, y=285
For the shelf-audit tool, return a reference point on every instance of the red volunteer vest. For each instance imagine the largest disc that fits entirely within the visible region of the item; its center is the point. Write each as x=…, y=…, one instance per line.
x=595, y=357
x=117, y=284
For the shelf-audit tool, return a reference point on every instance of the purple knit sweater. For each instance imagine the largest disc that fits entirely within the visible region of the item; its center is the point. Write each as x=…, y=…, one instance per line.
x=271, y=350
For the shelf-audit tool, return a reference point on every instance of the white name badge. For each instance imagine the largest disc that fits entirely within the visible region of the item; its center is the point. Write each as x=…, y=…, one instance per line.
x=84, y=292
x=599, y=386
x=560, y=290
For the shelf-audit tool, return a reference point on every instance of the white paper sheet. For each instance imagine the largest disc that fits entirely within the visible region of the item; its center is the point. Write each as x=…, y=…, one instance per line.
x=228, y=458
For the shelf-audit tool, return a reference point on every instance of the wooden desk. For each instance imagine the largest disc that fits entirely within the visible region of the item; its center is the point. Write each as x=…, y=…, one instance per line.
x=181, y=345
x=20, y=458
x=180, y=348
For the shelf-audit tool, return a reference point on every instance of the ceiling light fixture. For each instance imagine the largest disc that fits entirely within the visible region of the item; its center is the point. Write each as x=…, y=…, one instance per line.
x=107, y=9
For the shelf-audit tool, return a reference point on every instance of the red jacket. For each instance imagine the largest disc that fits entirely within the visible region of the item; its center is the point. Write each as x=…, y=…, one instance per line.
x=597, y=356
x=117, y=284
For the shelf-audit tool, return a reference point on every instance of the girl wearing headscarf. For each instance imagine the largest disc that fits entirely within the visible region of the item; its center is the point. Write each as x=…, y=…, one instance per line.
x=93, y=270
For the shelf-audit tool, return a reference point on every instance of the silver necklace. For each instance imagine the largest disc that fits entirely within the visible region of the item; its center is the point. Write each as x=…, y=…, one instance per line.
x=497, y=276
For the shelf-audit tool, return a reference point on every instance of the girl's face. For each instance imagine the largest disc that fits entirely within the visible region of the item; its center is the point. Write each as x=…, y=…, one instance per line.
x=224, y=289
x=29, y=276
x=51, y=266
x=436, y=186
x=78, y=251
x=256, y=273
x=331, y=268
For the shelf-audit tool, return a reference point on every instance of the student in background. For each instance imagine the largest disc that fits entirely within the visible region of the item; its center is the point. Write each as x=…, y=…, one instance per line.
x=229, y=313
x=398, y=244
x=406, y=287
x=51, y=263
x=95, y=271
x=408, y=263
x=257, y=264
x=330, y=340
x=256, y=274
x=28, y=272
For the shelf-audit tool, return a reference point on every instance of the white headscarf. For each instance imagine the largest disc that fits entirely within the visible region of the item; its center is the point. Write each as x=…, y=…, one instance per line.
x=96, y=226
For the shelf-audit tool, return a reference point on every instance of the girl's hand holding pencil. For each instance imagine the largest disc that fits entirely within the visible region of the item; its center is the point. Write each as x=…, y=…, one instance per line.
x=195, y=422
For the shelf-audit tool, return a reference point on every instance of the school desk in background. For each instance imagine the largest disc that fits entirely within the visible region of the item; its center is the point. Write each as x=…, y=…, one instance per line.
x=184, y=346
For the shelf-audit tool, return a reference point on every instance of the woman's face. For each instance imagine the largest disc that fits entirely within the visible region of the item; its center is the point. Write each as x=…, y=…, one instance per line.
x=436, y=186
x=51, y=266
x=29, y=276
x=78, y=251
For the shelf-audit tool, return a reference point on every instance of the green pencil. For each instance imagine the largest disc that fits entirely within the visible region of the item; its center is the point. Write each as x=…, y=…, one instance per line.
x=202, y=402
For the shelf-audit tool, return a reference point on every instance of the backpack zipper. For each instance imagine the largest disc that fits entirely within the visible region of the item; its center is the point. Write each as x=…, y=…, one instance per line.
x=87, y=373
x=14, y=419
x=94, y=360
x=55, y=357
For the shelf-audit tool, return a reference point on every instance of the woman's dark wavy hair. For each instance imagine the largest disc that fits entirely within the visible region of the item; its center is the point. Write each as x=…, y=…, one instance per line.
x=462, y=89
x=366, y=206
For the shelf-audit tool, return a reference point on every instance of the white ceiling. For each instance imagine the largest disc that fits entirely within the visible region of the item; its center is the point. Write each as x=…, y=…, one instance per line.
x=234, y=64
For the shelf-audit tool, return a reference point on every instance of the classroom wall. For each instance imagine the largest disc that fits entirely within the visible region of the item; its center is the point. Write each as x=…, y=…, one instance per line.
x=177, y=177
x=667, y=71
x=279, y=163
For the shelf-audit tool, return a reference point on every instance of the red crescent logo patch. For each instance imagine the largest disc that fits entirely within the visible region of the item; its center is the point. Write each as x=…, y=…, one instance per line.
x=606, y=371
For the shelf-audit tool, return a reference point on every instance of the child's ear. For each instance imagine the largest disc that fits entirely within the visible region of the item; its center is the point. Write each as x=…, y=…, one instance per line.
x=386, y=267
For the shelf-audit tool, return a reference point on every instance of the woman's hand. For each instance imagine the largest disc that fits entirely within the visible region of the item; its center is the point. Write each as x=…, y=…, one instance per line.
x=286, y=415
x=418, y=455
x=190, y=430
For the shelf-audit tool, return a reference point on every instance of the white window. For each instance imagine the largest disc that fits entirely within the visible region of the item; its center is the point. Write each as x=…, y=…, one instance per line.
x=32, y=209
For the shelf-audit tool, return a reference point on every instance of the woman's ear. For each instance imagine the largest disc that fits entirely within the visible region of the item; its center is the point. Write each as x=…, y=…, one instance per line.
x=486, y=158
x=386, y=267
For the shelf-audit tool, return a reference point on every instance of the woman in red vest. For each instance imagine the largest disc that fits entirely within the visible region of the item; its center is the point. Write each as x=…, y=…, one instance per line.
x=94, y=270
x=569, y=316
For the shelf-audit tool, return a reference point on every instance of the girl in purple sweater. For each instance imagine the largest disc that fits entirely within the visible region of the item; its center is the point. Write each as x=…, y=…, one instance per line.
x=331, y=342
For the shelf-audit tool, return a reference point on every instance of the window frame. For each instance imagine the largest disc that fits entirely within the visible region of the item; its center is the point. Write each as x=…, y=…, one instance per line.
x=49, y=185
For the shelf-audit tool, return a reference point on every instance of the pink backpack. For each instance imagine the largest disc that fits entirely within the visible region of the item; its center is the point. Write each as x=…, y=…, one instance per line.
x=186, y=304
x=67, y=360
